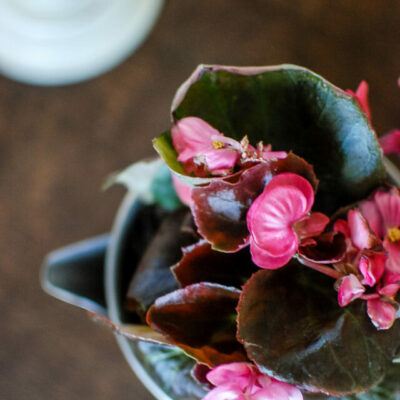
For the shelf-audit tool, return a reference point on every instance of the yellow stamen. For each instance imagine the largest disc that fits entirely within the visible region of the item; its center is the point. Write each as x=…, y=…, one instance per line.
x=394, y=234
x=217, y=144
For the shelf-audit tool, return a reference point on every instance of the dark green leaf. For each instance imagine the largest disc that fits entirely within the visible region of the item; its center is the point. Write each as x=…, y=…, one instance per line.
x=389, y=389
x=172, y=371
x=292, y=109
x=292, y=327
x=153, y=277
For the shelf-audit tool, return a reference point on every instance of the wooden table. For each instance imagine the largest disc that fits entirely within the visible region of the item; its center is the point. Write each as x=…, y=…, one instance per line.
x=58, y=144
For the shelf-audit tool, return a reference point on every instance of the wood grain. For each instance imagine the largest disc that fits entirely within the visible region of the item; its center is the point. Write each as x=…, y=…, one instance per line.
x=58, y=144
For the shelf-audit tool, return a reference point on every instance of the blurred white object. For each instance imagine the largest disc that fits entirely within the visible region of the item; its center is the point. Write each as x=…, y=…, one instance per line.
x=57, y=42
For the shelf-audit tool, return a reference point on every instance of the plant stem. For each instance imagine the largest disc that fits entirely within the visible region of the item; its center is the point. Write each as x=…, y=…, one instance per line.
x=320, y=268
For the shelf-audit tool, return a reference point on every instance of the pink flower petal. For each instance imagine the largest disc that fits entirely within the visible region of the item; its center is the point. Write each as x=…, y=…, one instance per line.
x=293, y=180
x=391, y=278
x=370, y=296
x=350, y=289
x=388, y=204
x=221, y=160
x=287, y=198
x=371, y=213
x=311, y=225
x=243, y=381
x=239, y=373
x=360, y=233
x=381, y=313
x=230, y=392
x=393, y=258
x=192, y=136
x=342, y=226
x=197, y=142
x=262, y=381
x=391, y=285
x=361, y=95
x=390, y=142
x=264, y=259
x=183, y=191
x=372, y=268
x=277, y=391
x=270, y=155
x=230, y=142
x=389, y=290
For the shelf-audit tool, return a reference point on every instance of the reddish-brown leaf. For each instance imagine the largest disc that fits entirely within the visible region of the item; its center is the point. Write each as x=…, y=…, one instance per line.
x=201, y=320
x=220, y=208
x=200, y=263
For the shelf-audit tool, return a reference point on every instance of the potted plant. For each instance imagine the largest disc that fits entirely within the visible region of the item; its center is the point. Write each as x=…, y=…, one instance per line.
x=258, y=256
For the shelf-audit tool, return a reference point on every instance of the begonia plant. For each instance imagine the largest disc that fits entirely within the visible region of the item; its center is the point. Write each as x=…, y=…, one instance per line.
x=278, y=272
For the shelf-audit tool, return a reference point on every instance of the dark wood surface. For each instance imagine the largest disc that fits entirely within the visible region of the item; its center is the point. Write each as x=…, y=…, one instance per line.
x=58, y=144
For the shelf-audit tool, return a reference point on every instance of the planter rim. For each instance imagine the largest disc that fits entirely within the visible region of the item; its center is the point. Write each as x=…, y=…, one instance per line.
x=128, y=208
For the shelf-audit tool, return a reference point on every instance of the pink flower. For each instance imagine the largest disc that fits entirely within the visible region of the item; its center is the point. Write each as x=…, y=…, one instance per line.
x=203, y=150
x=381, y=312
x=360, y=233
x=199, y=145
x=383, y=216
x=365, y=264
x=183, y=191
x=279, y=218
x=381, y=308
x=361, y=95
x=391, y=285
x=390, y=142
x=243, y=381
x=372, y=267
x=360, y=240
x=350, y=289
x=240, y=374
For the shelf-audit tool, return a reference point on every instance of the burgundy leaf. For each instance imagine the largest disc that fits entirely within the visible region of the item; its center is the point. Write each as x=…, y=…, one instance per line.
x=220, y=208
x=200, y=263
x=199, y=373
x=326, y=248
x=201, y=320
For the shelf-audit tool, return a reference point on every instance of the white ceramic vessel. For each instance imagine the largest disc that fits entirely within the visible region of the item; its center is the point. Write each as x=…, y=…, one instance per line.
x=57, y=42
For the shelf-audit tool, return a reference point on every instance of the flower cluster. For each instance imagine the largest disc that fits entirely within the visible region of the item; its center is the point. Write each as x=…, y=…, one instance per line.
x=361, y=251
x=281, y=225
x=373, y=256
x=279, y=218
x=203, y=150
x=282, y=274
x=243, y=381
